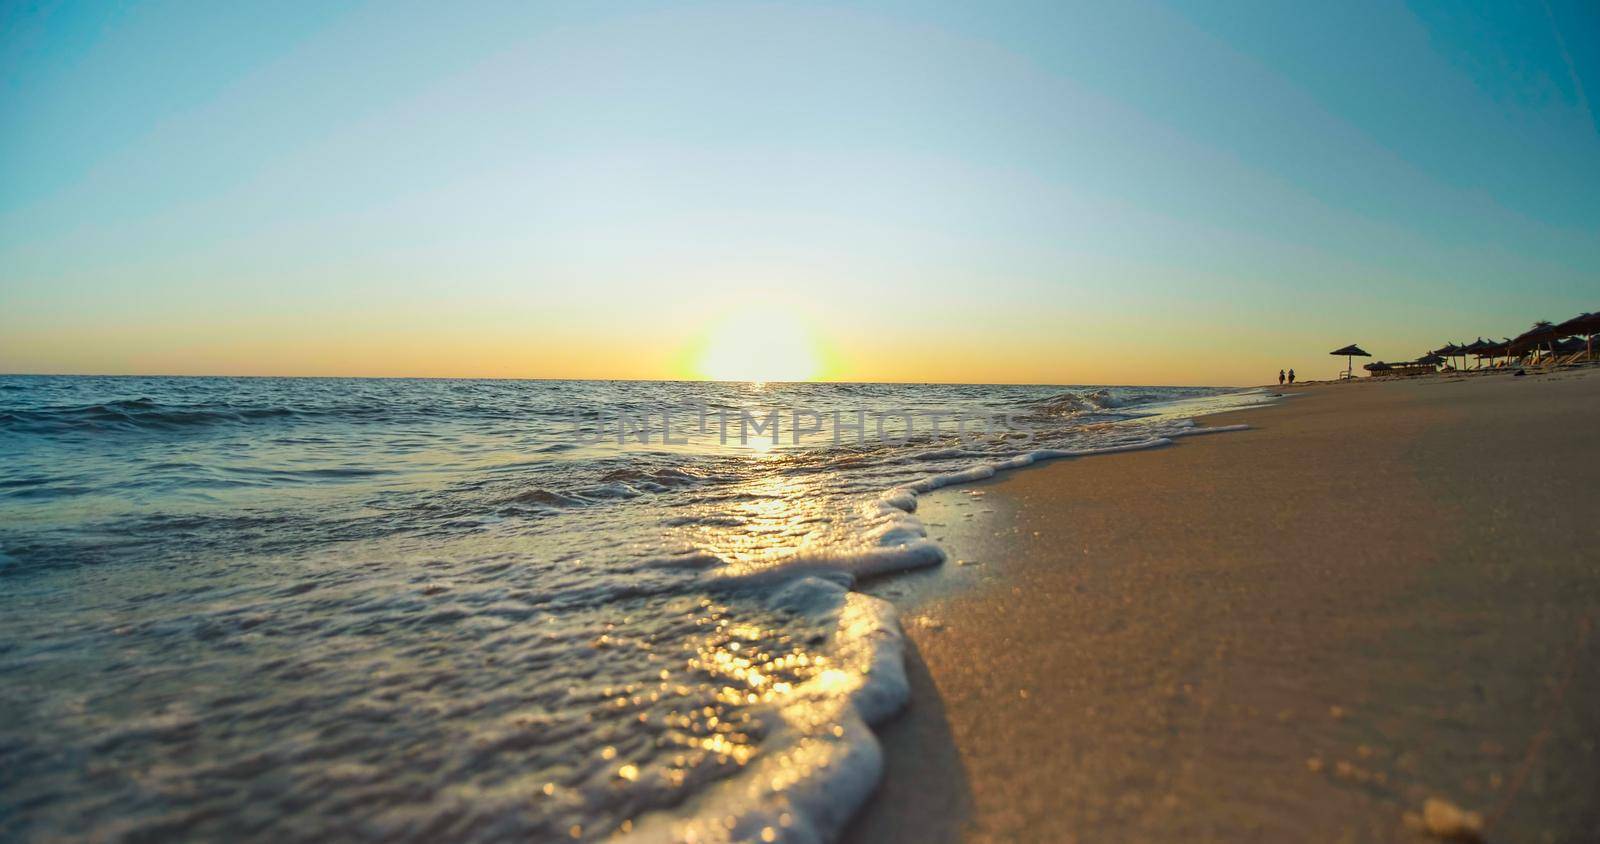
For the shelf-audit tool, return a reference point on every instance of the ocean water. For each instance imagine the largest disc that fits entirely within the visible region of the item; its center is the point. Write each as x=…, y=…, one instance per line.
x=478, y=610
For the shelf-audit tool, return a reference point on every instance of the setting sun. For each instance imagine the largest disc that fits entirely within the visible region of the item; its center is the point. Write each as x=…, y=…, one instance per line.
x=759, y=344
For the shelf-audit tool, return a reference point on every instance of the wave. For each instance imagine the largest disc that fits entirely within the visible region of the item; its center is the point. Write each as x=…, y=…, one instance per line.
x=546, y=498
x=132, y=415
x=658, y=480
x=1102, y=399
x=1070, y=404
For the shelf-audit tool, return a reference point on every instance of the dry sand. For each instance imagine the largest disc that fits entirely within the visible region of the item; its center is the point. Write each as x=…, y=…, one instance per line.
x=1381, y=593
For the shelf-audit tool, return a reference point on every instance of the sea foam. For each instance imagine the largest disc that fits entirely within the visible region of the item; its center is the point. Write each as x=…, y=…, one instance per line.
x=823, y=761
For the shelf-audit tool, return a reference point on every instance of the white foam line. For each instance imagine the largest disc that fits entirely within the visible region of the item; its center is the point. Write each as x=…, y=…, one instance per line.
x=824, y=760
x=1217, y=429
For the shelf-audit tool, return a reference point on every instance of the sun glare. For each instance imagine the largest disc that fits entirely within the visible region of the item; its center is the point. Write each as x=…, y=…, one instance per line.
x=760, y=345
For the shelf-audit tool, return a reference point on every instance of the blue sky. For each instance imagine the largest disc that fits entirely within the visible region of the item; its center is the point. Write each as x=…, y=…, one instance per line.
x=1094, y=193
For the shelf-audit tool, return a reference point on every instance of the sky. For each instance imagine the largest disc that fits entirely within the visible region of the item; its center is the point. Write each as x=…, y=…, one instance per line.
x=1064, y=193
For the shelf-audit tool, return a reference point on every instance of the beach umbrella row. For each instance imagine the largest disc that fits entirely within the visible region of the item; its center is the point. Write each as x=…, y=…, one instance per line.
x=1543, y=336
x=1425, y=360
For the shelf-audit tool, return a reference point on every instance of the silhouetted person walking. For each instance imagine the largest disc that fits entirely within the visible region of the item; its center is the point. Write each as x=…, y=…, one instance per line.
x=1291, y=376
x=1280, y=378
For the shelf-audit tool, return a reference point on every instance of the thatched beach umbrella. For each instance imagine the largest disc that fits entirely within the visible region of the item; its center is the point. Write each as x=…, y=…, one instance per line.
x=1542, y=332
x=1350, y=353
x=1568, y=346
x=1584, y=323
x=1475, y=348
x=1448, y=350
x=1587, y=324
x=1493, y=349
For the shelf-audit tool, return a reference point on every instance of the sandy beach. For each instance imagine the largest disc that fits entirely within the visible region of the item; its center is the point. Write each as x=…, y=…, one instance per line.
x=1379, y=594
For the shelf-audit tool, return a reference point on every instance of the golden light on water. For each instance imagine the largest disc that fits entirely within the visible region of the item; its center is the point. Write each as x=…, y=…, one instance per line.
x=760, y=344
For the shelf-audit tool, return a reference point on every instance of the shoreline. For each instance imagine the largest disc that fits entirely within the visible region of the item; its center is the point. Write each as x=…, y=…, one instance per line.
x=1305, y=630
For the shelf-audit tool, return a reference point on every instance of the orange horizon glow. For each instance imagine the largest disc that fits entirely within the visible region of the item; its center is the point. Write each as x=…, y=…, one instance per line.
x=729, y=347
x=724, y=333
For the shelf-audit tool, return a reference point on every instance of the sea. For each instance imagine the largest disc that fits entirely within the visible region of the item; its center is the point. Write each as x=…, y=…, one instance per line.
x=480, y=610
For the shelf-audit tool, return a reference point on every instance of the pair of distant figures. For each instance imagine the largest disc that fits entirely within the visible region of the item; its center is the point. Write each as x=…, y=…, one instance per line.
x=1280, y=377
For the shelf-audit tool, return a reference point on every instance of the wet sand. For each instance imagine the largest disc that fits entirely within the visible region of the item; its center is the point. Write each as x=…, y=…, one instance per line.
x=1381, y=593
